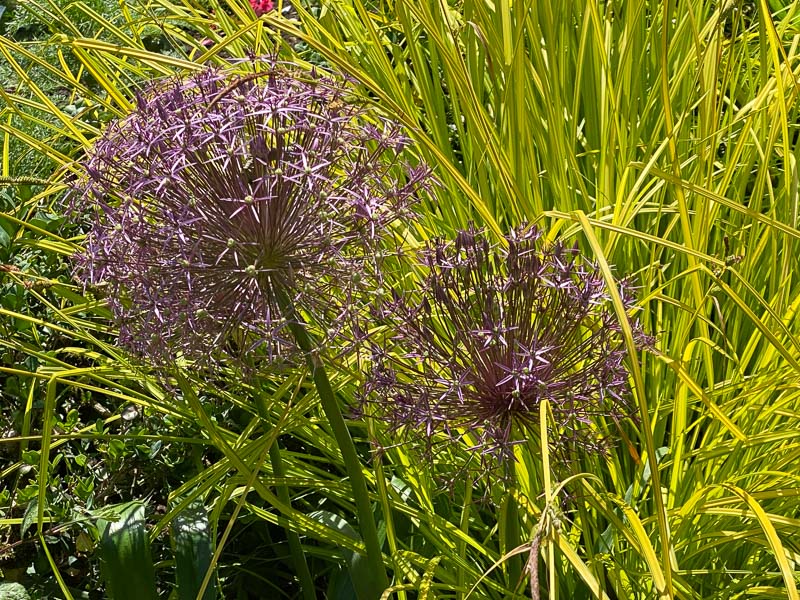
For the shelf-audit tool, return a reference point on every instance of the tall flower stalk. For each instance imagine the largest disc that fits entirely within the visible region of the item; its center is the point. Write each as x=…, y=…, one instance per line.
x=492, y=333
x=230, y=211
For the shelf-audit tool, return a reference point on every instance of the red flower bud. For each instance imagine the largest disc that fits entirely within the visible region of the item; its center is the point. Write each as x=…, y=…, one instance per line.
x=261, y=7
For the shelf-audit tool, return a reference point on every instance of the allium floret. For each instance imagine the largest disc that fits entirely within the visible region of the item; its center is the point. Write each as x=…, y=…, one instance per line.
x=493, y=331
x=220, y=194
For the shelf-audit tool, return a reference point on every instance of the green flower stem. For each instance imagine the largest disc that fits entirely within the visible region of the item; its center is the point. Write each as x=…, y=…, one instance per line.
x=295, y=547
x=358, y=484
x=511, y=522
x=462, y=544
x=383, y=498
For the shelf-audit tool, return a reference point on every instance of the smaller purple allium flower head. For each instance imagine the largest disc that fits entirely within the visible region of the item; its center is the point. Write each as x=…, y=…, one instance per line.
x=218, y=195
x=492, y=332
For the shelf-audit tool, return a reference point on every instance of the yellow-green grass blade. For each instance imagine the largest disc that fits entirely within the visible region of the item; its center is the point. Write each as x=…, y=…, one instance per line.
x=662, y=577
x=787, y=572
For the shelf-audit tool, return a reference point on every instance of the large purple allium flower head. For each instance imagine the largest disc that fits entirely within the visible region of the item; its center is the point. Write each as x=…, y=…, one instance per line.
x=493, y=331
x=219, y=195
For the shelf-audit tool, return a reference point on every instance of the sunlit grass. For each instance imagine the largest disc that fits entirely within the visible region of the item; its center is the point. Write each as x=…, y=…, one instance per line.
x=661, y=139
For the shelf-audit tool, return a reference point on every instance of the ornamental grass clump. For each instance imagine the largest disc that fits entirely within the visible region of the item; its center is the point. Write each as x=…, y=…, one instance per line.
x=493, y=332
x=219, y=196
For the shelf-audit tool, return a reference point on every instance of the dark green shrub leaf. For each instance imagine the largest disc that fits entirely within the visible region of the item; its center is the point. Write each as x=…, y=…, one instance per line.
x=29, y=518
x=31, y=457
x=13, y=591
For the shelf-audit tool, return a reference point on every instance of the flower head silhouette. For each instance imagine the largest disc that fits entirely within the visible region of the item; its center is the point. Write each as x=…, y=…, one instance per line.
x=217, y=195
x=494, y=331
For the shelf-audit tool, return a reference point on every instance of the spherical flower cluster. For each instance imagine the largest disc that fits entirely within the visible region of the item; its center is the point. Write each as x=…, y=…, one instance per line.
x=493, y=332
x=219, y=196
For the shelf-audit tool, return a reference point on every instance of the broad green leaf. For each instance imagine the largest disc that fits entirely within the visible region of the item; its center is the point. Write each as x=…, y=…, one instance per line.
x=124, y=551
x=361, y=578
x=193, y=547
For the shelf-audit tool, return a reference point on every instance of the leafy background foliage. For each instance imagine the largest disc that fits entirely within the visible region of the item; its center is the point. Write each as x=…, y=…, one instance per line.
x=659, y=136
